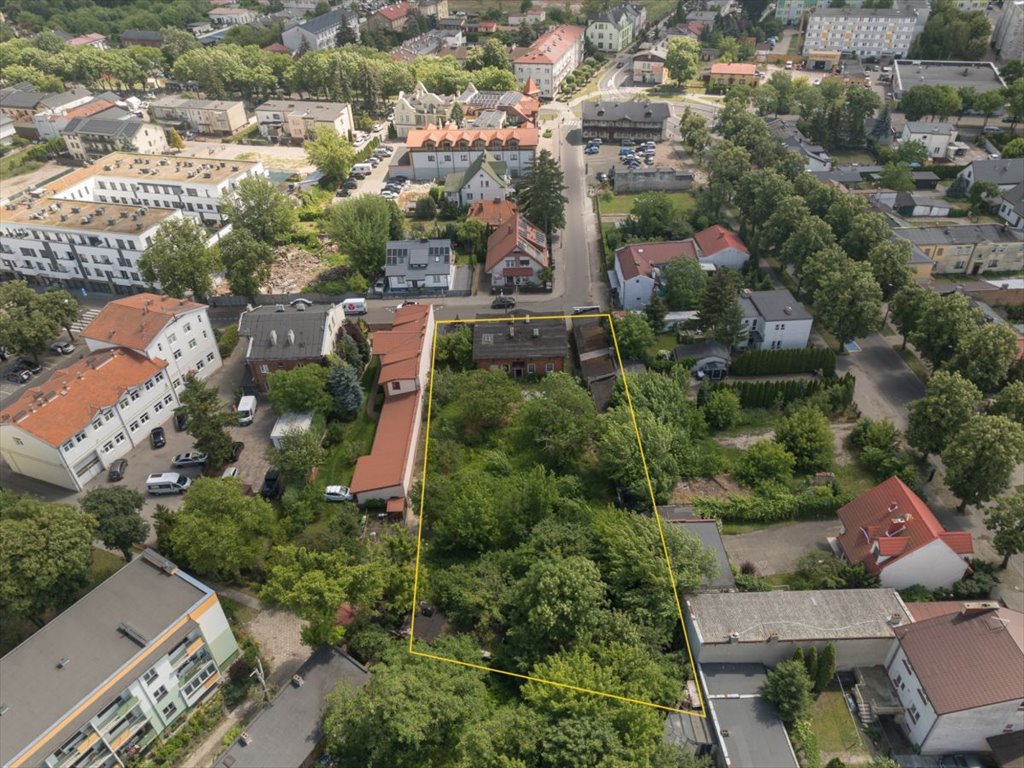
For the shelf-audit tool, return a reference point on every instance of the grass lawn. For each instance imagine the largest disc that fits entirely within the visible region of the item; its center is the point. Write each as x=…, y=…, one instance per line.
x=734, y=529
x=832, y=724
x=341, y=458
x=240, y=613
x=753, y=420
x=853, y=478
x=621, y=204
x=15, y=164
x=914, y=363
x=846, y=157
x=662, y=341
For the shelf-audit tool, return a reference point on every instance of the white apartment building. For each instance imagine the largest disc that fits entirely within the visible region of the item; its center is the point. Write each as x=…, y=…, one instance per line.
x=299, y=120
x=551, y=58
x=161, y=328
x=321, y=32
x=70, y=428
x=200, y=115
x=1008, y=38
x=936, y=137
x=434, y=153
x=420, y=108
x=89, y=138
x=875, y=33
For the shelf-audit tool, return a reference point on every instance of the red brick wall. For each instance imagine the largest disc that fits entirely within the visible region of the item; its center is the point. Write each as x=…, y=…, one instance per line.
x=541, y=362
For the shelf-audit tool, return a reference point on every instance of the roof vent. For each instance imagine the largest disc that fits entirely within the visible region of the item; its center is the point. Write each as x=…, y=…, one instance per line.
x=894, y=620
x=273, y=338
x=291, y=337
x=279, y=308
x=773, y=637
x=734, y=637
x=131, y=633
x=511, y=330
x=64, y=661
x=788, y=310
x=244, y=738
x=536, y=333
x=297, y=681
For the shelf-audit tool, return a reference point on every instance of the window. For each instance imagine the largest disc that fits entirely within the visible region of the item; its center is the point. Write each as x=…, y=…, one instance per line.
x=149, y=677
x=531, y=368
x=167, y=399
x=264, y=369
x=177, y=354
x=209, y=357
x=119, y=437
x=150, y=384
x=188, y=327
x=171, y=338
x=108, y=446
x=158, y=407
x=144, y=418
x=192, y=343
x=160, y=693
x=170, y=709
x=549, y=367
x=135, y=395
x=200, y=365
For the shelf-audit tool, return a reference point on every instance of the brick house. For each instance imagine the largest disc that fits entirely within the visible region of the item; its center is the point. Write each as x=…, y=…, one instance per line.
x=520, y=346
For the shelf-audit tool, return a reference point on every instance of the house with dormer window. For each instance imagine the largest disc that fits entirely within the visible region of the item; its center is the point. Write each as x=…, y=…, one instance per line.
x=419, y=265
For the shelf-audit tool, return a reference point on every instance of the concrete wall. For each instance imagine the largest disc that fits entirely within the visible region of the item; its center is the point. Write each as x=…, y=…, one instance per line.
x=849, y=653
x=934, y=566
x=652, y=180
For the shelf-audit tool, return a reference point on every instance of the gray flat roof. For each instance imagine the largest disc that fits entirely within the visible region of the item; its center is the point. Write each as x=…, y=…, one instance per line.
x=874, y=13
x=709, y=535
x=778, y=304
x=287, y=732
x=38, y=694
x=804, y=616
x=921, y=126
x=980, y=75
x=960, y=234
x=733, y=679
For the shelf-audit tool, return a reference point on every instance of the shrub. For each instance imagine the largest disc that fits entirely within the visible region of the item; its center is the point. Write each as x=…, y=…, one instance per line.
x=227, y=341
x=765, y=460
x=762, y=362
x=722, y=409
x=775, y=394
x=805, y=434
x=788, y=689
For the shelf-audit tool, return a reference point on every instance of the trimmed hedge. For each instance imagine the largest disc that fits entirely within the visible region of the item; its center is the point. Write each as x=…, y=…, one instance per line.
x=772, y=394
x=765, y=362
x=817, y=502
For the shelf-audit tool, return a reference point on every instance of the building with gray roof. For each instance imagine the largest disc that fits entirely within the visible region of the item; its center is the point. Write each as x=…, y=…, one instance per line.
x=710, y=537
x=982, y=76
x=105, y=677
x=969, y=248
x=90, y=138
x=1006, y=173
x=774, y=320
x=617, y=120
x=419, y=265
x=816, y=157
x=521, y=345
x=321, y=32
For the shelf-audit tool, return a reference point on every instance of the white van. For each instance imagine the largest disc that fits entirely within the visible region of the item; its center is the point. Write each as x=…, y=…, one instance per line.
x=354, y=306
x=167, y=482
x=363, y=168
x=246, y=410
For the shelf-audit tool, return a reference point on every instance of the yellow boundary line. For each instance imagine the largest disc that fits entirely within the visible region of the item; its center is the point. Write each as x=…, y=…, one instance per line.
x=702, y=712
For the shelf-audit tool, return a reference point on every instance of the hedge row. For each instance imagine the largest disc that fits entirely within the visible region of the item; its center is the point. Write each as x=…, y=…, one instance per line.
x=774, y=394
x=366, y=151
x=764, y=362
x=818, y=502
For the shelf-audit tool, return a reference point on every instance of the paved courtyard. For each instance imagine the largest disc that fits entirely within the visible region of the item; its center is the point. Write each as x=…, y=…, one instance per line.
x=776, y=549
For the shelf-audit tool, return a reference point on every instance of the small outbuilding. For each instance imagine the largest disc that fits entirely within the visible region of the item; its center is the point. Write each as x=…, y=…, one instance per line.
x=288, y=423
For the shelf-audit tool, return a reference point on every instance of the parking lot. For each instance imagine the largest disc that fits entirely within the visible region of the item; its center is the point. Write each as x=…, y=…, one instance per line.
x=48, y=363
x=607, y=159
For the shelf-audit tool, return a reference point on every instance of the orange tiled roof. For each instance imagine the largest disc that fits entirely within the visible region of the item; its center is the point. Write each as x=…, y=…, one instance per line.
x=733, y=69
x=86, y=110
x=417, y=138
x=394, y=12
x=493, y=212
x=61, y=406
x=640, y=258
x=718, y=238
x=550, y=47
x=135, y=321
x=516, y=235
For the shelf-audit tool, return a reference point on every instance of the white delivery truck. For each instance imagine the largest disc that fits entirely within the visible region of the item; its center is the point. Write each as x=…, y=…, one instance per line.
x=364, y=169
x=354, y=306
x=167, y=482
x=246, y=410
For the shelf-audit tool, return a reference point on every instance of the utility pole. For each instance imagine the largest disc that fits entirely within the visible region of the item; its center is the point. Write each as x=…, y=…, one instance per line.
x=258, y=674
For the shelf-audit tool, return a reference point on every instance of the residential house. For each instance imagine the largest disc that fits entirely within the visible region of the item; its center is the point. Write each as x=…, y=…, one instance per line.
x=436, y=152
x=864, y=33
x=90, y=138
x=7, y=130
x=958, y=671
x=123, y=665
x=971, y=249
x=70, y=428
x=50, y=123
x=436, y=8
x=230, y=15
x=1011, y=206
x=982, y=76
x=598, y=363
x=614, y=121
x=550, y=58
x=725, y=76
x=1008, y=38
x=638, y=269
x=493, y=213
x=649, y=67
x=222, y=118
x=420, y=108
x=708, y=359
x=705, y=18
x=534, y=15
x=767, y=627
x=816, y=158
x=936, y=137
x=92, y=40
x=520, y=345
x=485, y=27
x=386, y=473
x=321, y=32
x=721, y=247
x=22, y=101
x=159, y=328
x=486, y=179
x=285, y=119
x=891, y=531
x=1005, y=173
x=391, y=17
x=517, y=254
x=144, y=37
x=617, y=28
x=419, y=265
x=774, y=320
x=518, y=108
x=282, y=337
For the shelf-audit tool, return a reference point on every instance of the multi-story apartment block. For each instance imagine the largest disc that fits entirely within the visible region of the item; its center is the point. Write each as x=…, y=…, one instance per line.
x=98, y=684
x=321, y=32
x=420, y=108
x=436, y=152
x=70, y=428
x=299, y=120
x=971, y=249
x=50, y=123
x=202, y=116
x=90, y=138
x=879, y=33
x=159, y=328
x=1008, y=38
x=228, y=16
x=551, y=58
x=617, y=28
x=419, y=265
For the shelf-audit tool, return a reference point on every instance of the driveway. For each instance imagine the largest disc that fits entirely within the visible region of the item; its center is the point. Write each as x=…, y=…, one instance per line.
x=776, y=549
x=885, y=385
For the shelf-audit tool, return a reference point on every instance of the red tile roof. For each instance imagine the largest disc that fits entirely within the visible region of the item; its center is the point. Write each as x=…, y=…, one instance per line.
x=135, y=321
x=492, y=212
x=530, y=87
x=891, y=512
x=86, y=110
x=718, y=238
x=64, y=404
x=733, y=69
x=394, y=12
x=516, y=236
x=550, y=47
x=400, y=348
x=639, y=258
x=967, y=660
x=277, y=48
x=417, y=138
x=92, y=37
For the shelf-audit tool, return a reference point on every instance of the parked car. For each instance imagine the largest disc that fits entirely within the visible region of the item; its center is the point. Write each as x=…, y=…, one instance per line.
x=180, y=420
x=28, y=364
x=116, y=470
x=591, y=150
x=400, y=178
x=272, y=486
x=338, y=493
x=503, y=302
x=374, y=161
x=596, y=141
x=229, y=472
x=378, y=127
x=157, y=438
x=994, y=130
x=343, y=193
x=18, y=376
x=626, y=143
x=406, y=303
x=62, y=347
x=189, y=460
x=602, y=177
x=350, y=184
x=387, y=194
x=620, y=64
x=236, y=450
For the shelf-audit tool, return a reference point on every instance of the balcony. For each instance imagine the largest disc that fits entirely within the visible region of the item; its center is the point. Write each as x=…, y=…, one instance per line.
x=124, y=708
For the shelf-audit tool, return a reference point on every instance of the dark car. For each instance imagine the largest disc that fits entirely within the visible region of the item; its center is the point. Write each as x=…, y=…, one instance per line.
x=343, y=193
x=28, y=364
x=116, y=471
x=157, y=438
x=350, y=184
x=503, y=302
x=271, y=488
x=236, y=450
x=18, y=376
x=180, y=420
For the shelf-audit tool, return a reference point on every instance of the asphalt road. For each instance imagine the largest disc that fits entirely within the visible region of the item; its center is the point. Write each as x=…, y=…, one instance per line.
x=885, y=385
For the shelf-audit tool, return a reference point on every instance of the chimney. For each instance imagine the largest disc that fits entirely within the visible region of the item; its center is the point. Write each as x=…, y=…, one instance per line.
x=978, y=607
x=894, y=620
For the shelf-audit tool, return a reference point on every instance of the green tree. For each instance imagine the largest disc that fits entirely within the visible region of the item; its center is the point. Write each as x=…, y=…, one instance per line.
x=765, y=460
x=720, y=294
x=890, y=264
x=656, y=216
x=561, y=422
x=633, y=336
x=207, y=419
x=487, y=399
x=949, y=402
x=684, y=284
x=953, y=35
x=257, y=206
x=811, y=662
x=981, y=458
x=246, y=261
x=849, y=301
x=909, y=152
x=299, y=390
x=655, y=312
x=344, y=387
x=826, y=668
x=897, y=177
x=362, y=226
x=981, y=195
x=174, y=139
x=1005, y=520
x=1014, y=148
x=331, y=154
x=26, y=325
x=722, y=409
x=788, y=689
x=942, y=322
x=984, y=355
x=619, y=459
x=61, y=307
x=866, y=231
x=455, y=349
x=681, y=59
x=47, y=553
x=907, y=308
x=176, y=42
x=813, y=235
x=806, y=435
x=1010, y=402
x=988, y=104
x=426, y=209
x=116, y=511
x=297, y=452
x=694, y=133
x=220, y=531
x=541, y=194
x=179, y=259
